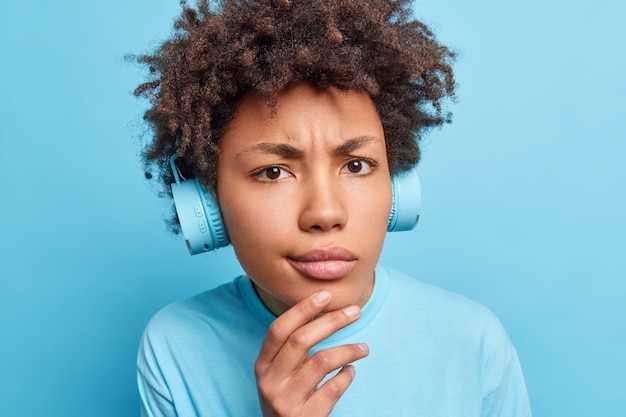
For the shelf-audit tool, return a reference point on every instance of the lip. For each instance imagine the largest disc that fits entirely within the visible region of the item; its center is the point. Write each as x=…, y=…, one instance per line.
x=324, y=264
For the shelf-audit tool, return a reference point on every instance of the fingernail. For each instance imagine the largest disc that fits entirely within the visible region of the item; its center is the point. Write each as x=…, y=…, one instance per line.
x=350, y=369
x=351, y=311
x=362, y=347
x=321, y=297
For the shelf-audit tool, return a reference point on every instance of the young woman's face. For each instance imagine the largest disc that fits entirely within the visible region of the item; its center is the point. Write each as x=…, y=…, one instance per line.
x=305, y=194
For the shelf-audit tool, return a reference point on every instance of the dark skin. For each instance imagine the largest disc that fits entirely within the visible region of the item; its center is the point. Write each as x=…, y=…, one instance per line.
x=215, y=57
x=197, y=81
x=287, y=376
x=296, y=187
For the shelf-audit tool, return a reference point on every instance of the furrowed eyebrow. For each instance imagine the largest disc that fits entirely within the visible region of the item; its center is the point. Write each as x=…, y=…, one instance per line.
x=291, y=152
x=281, y=149
x=352, y=145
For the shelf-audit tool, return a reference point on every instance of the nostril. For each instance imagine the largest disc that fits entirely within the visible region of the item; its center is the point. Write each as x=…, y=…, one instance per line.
x=317, y=227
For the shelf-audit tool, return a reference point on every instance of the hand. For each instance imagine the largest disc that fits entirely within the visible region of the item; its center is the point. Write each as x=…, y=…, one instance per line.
x=288, y=376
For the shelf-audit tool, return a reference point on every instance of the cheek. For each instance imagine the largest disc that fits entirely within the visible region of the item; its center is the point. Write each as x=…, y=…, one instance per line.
x=374, y=206
x=255, y=227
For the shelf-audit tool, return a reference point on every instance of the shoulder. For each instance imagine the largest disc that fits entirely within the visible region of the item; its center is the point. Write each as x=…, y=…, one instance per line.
x=427, y=297
x=190, y=342
x=199, y=312
x=437, y=309
x=455, y=324
x=186, y=331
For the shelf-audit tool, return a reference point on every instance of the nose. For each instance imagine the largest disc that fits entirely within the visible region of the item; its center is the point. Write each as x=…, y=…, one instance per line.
x=323, y=207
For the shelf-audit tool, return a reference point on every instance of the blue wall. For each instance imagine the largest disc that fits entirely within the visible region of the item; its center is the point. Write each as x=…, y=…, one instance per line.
x=524, y=199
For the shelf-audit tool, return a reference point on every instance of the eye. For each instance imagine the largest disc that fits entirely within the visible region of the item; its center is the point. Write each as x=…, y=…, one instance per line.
x=272, y=173
x=359, y=166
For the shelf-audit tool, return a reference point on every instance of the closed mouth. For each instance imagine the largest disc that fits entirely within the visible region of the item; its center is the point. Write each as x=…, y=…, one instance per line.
x=331, y=263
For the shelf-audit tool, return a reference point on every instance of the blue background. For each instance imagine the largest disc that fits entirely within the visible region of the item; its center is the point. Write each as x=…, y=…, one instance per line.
x=523, y=199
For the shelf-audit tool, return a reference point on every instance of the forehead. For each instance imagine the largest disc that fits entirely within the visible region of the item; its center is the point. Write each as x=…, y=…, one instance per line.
x=304, y=113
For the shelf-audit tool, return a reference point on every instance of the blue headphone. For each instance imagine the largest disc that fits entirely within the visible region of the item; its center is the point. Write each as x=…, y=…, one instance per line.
x=201, y=219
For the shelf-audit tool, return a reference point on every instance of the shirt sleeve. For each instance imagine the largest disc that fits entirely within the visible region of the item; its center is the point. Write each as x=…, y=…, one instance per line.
x=504, y=392
x=156, y=399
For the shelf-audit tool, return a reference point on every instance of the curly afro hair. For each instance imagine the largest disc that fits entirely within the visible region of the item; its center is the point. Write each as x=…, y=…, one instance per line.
x=220, y=52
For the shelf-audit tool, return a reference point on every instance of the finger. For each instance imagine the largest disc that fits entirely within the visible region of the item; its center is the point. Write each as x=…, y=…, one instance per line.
x=280, y=330
x=296, y=348
x=322, y=401
x=324, y=362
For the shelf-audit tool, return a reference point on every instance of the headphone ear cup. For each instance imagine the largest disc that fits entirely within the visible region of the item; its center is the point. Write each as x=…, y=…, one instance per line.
x=199, y=216
x=406, y=201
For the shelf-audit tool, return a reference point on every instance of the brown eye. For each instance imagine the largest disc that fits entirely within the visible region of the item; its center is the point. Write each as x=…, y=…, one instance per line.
x=359, y=166
x=272, y=173
x=355, y=166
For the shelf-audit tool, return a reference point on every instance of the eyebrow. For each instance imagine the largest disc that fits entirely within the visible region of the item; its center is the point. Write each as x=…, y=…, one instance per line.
x=291, y=152
x=280, y=149
x=352, y=145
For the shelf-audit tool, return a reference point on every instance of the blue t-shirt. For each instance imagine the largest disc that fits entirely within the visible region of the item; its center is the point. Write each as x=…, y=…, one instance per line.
x=432, y=354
